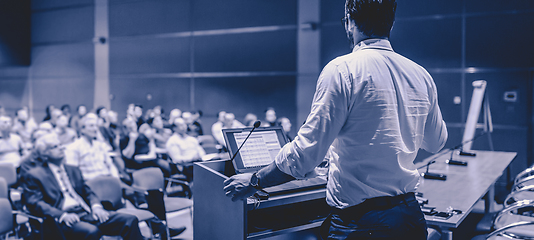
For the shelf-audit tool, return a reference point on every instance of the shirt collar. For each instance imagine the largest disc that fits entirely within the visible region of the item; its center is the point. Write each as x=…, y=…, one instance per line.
x=376, y=43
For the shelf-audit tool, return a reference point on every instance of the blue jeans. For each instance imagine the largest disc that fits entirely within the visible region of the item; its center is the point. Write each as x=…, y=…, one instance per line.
x=383, y=219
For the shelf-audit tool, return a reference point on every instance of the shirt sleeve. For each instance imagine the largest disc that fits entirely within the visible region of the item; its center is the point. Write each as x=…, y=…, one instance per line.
x=435, y=134
x=328, y=115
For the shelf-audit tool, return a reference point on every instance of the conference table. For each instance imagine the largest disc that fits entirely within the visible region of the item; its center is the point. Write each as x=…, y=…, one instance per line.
x=464, y=186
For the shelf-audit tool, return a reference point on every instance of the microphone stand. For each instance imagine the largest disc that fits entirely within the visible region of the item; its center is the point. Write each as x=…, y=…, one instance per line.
x=443, y=177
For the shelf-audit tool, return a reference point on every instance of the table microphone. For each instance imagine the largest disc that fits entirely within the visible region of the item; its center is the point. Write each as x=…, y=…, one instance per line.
x=256, y=125
x=436, y=176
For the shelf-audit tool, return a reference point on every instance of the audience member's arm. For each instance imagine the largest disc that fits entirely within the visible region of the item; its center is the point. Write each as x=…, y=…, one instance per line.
x=129, y=150
x=151, y=155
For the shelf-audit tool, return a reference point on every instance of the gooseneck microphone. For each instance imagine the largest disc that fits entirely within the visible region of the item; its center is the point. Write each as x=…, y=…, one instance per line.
x=437, y=176
x=256, y=125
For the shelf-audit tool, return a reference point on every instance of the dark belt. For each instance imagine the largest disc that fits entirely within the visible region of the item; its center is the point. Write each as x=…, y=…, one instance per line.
x=377, y=203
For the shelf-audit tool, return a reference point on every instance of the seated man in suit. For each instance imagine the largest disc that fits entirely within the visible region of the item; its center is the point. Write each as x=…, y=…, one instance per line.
x=58, y=191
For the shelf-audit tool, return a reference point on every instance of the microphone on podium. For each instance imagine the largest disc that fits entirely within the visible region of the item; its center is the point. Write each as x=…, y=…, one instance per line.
x=256, y=125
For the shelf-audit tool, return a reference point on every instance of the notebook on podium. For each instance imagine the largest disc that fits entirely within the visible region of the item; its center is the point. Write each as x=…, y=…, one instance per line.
x=260, y=150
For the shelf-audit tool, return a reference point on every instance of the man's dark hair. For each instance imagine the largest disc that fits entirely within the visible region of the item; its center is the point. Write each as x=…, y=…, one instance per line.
x=99, y=109
x=373, y=18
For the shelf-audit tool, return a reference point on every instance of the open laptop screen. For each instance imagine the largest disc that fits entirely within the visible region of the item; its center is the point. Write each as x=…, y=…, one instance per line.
x=260, y=149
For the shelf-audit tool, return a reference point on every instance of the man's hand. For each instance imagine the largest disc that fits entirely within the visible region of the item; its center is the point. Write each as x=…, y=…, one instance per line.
x=70, y=218
x=238, y=186
x=101, y=214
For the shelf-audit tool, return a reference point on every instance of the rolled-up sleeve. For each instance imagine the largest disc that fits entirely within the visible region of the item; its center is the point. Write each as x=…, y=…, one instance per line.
x=328, y=115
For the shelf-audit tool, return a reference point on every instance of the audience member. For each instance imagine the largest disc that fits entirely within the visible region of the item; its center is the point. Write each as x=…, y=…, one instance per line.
x=24, y=125
x=48, y=111
x=270, y=118
x=192, y=129
x=250, y=119
x=161, y=134
x=184, y=149
x=175, y=113
x=54, y=115
x=59, y=191
x=138, y=111
x=286, y=126
x=228, y=122
x=12, y=148
x=81, y=110
x=138, y=150
x=90, y=154
x=66, y=111
x=197, y=121
x=105, y=134
x=216, y=128
x=65, y=134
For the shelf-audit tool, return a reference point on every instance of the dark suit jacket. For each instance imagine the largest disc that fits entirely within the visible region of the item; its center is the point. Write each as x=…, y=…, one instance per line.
x=42, y=194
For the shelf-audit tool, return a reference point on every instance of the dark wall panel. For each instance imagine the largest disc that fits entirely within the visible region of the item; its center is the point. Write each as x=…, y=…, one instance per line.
x=221, y=14
x=477, y=6
x=63, y=25
x=449, y=86
x=265, y=51
x=73, y=91
x=149, y=55
x=409, y=9
x=13, y=94
x=431, y=43
x=69, y=60
x=47, y=4
x=148, y=17
x=168, y=92
x=334, y=43
x=502, y=41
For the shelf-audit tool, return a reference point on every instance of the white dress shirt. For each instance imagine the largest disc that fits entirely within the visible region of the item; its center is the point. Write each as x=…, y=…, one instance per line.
x=375, y=109
x=92, y=159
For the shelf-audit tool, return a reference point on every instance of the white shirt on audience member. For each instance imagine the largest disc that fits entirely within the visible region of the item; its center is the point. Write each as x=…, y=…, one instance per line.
x=92, y=159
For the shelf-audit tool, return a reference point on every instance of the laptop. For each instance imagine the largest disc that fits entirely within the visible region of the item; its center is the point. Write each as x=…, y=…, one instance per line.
x=259, y=151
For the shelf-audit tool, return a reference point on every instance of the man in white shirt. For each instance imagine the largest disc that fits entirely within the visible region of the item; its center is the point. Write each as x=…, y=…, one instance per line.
x=90, y=154
x=183, y=149
x=375, y=109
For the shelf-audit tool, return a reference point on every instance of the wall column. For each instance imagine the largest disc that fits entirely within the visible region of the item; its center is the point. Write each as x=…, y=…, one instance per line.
x=101, y=42
x=308, y=56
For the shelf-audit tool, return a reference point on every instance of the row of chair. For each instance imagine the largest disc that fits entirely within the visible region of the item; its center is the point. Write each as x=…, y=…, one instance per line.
x=516, y=220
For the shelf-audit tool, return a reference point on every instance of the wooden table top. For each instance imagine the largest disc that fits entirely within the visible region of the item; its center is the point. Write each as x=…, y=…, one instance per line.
x=464, y=186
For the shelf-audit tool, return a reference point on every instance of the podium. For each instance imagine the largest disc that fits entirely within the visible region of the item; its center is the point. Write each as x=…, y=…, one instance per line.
x=217, y=217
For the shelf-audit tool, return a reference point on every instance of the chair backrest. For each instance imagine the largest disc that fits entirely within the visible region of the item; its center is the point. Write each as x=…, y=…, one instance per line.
x=4, y=191
x=516, y=230
x=107, y=189
x=6, y=216
x=521, y=211
x=149, y=178
x=524, y=193
x=9, y=173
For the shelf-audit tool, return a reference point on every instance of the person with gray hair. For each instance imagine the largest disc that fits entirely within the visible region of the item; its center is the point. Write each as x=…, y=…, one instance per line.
x=58, y=191
x=90, y=154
